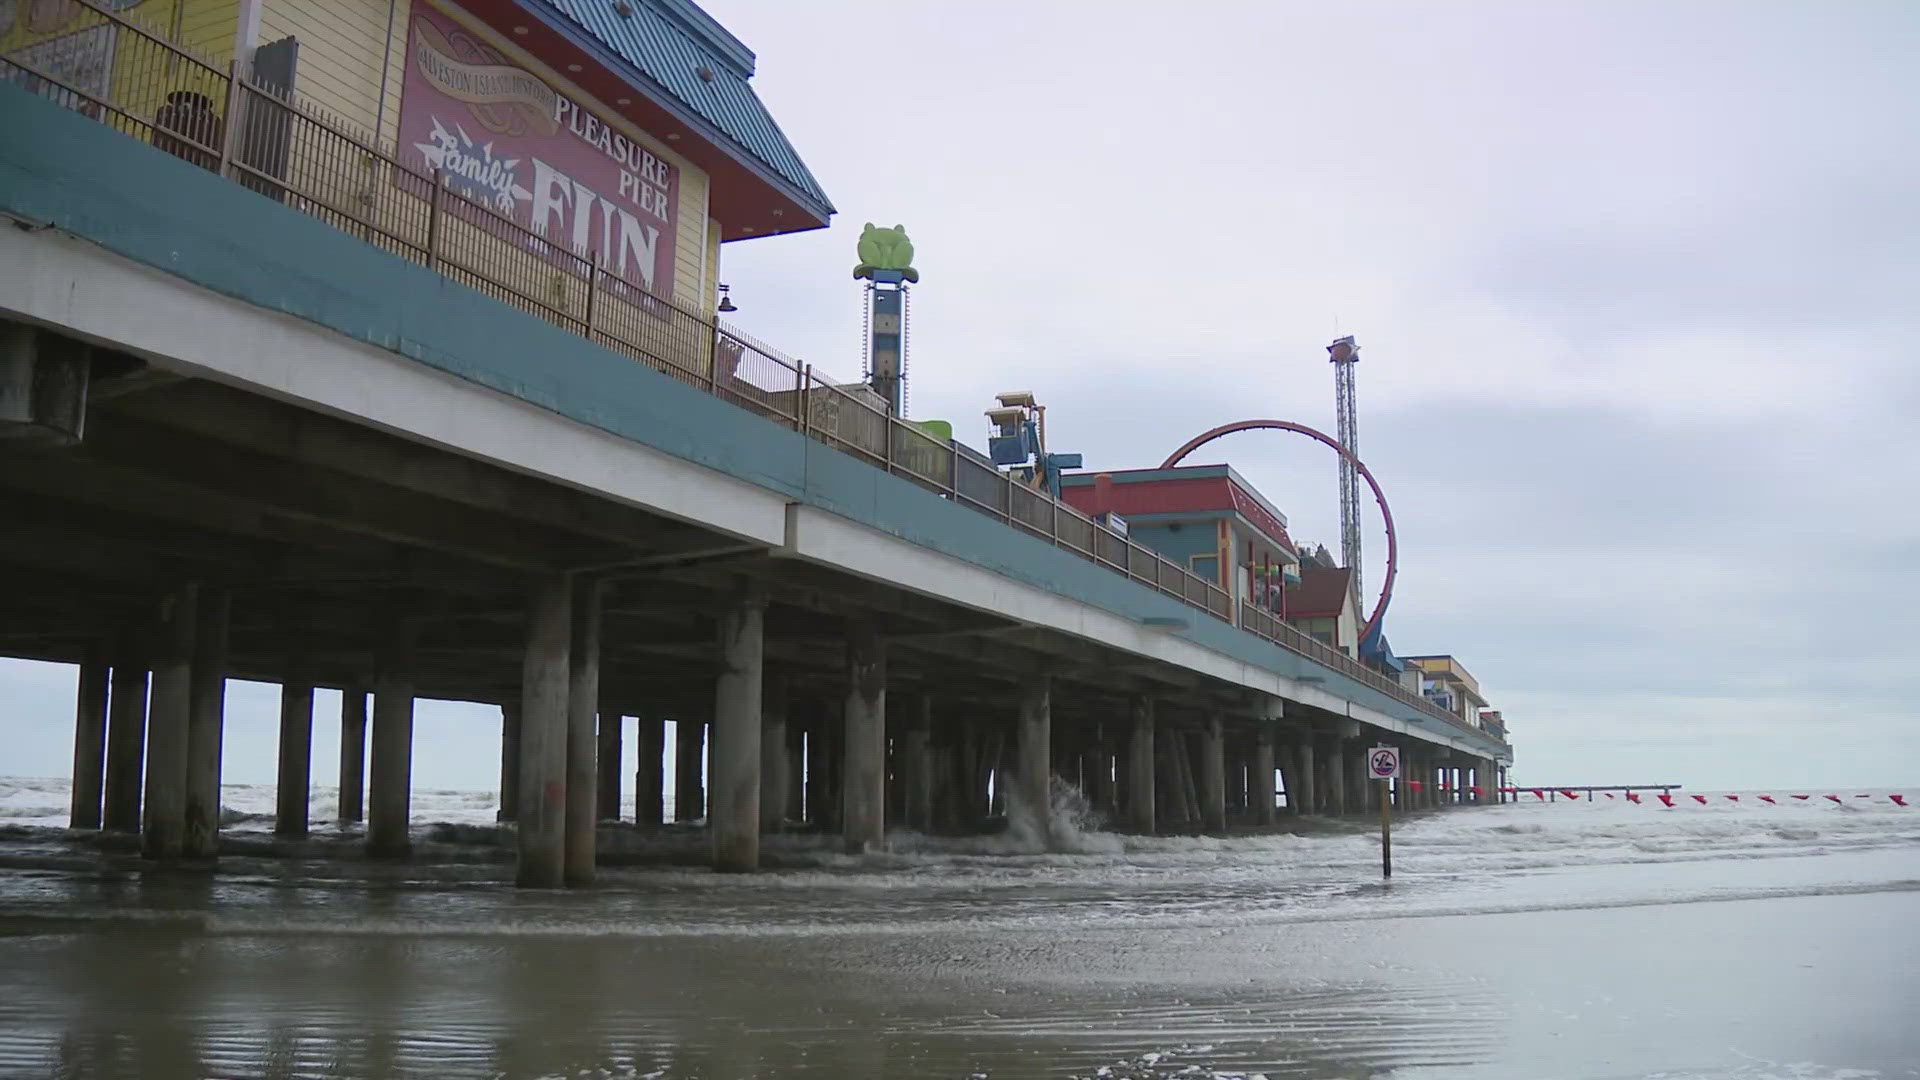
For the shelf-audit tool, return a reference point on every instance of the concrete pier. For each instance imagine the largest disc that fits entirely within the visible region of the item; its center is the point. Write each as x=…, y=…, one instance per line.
x=1336, y=774
x=1034, y=741
x=163, y=823
x=582, y=742
x=734, y=764
x=206, y=724
x=649, y=773
x=545, y=679
x=293, y=780
x=509, y=763
x=689, y=758
x=1213, y=775
x=390, y=778
x=1140, y=766
x=1261, y=791
x=607, y=755
x=353, y=754
x=863, y=782
x=1303, y=775
x=126, y=735
x=89, y=739
x=916, y=763
x=776, y=773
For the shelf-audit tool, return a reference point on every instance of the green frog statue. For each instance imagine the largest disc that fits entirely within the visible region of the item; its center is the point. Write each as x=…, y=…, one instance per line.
x=886, y=249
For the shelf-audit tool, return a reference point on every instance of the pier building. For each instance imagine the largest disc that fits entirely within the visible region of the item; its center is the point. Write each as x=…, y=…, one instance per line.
x=380, y=351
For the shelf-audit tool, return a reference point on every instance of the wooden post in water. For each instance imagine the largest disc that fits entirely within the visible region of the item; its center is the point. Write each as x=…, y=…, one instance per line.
x=1386, y=832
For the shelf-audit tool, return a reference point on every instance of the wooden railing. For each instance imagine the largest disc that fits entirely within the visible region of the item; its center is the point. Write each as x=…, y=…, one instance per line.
x=279, y=146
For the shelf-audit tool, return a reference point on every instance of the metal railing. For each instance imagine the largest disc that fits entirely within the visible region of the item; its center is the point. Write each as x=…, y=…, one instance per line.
x=277, y=145
x=1266, y=624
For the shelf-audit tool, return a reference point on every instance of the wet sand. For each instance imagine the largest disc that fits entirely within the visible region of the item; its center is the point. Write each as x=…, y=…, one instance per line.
x=1513, y=944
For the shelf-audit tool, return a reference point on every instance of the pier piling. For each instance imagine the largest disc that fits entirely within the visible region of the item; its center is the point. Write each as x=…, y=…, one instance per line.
x=733, y=814
x=89, y=739
x=545, y=679
x=390, y=777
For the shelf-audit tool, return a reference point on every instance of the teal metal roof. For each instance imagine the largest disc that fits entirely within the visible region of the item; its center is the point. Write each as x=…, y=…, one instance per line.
x=670, y=43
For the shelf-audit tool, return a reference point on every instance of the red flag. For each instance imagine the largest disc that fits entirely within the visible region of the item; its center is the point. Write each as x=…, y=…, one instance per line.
x=1666, y=800
x=1768, y=799
x=1609, y=794
x=1898, y=800
x=1733, y=798
x=1835, y=798
x=1568, y=794
x=1803, y=798
x=1701, y=799
x=1476, y=790
x=1414, y=784
x=1538, y=794
x=1633, y=796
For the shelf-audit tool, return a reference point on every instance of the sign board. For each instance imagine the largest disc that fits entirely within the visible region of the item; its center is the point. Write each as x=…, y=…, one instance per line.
x=507, y=139
x=1383, y=763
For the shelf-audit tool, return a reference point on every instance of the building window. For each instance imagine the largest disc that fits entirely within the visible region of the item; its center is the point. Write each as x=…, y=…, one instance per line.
x=1206, y=566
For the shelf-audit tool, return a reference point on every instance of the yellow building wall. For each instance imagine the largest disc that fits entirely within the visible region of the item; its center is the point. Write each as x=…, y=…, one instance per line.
x=345, y=46
x=143, y=71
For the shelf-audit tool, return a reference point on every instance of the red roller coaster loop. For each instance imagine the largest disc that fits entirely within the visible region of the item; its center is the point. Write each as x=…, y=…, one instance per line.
x=1393, y=546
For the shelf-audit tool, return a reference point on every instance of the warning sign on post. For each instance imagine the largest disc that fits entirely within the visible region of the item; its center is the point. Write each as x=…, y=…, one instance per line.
x=1383, y=763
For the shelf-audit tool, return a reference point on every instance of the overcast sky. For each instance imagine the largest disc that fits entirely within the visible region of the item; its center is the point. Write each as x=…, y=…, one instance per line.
x=1635, y=286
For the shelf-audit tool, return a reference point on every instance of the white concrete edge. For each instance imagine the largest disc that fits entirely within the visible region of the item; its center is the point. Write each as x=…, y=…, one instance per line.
x=66, y=282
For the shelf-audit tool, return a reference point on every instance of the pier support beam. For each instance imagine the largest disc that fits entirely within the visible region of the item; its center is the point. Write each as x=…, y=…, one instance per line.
x=89, y=739
x=163, y=825
x=916, y=763
x=353, y=753
x=649, y=773
x=1140, y=767
x=607, y=755
x=582, y=749
x=126, y=735
x=1336, y=773
x=1034, y=742
x=293, y=781
x=390, y=779
x=1303, y=775
x=1213, y=775
x=775, y=770
x=1261, y=790
x=546, y=675
x=689, y=787
x=206, y=724
x=864, y=782
x=735, y=763
x=510, y=726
